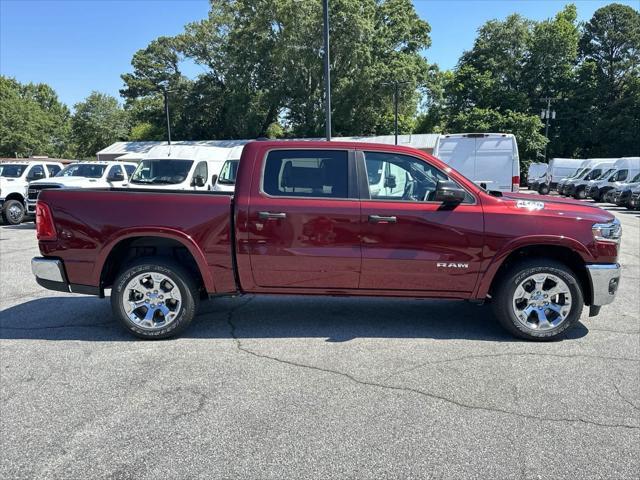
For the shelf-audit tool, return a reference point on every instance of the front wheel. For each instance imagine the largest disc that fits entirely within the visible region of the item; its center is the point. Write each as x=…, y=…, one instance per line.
x=154, y=298
x=581, y=194
x=538, y=300
x=13, y=212
x=544, y=190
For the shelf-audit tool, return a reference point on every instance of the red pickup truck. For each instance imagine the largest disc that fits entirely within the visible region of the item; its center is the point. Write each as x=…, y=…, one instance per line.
x=329, y=218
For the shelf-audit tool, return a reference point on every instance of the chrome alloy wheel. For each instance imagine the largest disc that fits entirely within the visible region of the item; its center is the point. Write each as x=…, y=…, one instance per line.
x=14, y=212
x=542, y=301
x=152, y=300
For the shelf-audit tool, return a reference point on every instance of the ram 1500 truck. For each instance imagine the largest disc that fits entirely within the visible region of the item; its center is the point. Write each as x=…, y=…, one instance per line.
x=330, y=218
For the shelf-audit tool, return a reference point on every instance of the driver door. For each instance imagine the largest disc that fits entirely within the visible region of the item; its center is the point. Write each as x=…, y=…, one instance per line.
x=409, y=241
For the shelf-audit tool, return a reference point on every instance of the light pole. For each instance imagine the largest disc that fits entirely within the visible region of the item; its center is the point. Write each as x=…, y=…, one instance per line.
x=548, y=115
x=395, y=84
x=327, y=70
x=165, y=91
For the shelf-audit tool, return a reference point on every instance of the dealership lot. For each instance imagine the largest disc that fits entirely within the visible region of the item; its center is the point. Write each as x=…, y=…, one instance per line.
x=302, y=387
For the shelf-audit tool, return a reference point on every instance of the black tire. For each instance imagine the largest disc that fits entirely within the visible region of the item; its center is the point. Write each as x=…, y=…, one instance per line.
x=8, y=215
x=543, y=190
x=580, y=194
x=507, y=285
x=180, y=277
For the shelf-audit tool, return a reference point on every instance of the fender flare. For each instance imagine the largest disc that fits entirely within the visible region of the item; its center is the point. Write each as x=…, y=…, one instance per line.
x=161, y=232
x=521, y=242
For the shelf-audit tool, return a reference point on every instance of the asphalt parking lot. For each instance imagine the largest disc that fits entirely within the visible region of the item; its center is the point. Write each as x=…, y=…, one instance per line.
x=271, y=388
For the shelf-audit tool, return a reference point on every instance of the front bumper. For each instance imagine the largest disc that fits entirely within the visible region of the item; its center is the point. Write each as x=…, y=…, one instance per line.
x=605, y=280
x=50, y=274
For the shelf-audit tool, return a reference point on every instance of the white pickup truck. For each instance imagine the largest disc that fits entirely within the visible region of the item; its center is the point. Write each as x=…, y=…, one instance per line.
x=14, y=178
x=83, y=175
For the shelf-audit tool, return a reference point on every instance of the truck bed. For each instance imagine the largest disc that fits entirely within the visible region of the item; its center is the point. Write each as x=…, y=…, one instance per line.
x=92, y=223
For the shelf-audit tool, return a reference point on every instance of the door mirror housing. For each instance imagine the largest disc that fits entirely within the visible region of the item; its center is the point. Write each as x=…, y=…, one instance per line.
x=36, y=175
x=449, y=193
x=390, y=182
x=214, y=179
x=198, y=181
x=116, y=177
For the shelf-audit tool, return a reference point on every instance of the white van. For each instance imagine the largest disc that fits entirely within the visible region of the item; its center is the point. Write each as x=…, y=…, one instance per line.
x=559, y=169
x=582, y=170
x=577, y=188
x=535, y=173
x=488, y=159
x=179, y=167
x=623, y=169
x=226, y=180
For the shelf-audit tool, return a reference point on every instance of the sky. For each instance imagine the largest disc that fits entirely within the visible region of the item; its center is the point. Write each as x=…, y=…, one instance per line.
x=78, y=46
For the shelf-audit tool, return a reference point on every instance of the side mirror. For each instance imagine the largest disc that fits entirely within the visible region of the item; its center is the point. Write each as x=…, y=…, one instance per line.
x=214, y=179
x=37, y=175
x=449, y=193
x=198, y=181
x=390, y=182
x=116, y=177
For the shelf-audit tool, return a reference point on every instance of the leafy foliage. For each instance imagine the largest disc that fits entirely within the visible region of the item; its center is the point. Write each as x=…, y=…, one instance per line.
x=98, y=122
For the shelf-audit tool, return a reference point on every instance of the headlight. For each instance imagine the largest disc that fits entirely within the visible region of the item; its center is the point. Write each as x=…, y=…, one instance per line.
x=607, y=232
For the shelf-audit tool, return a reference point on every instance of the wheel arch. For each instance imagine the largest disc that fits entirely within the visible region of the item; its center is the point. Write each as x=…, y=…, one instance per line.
x=15, y=196
x=573, y=258
x=126, y=248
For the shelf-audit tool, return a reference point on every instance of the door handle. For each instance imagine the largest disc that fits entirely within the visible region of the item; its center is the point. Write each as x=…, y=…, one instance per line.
x=381, y=219
x=271, y=215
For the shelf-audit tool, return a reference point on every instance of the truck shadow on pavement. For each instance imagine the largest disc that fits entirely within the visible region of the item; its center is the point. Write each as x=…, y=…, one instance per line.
x=334, y=319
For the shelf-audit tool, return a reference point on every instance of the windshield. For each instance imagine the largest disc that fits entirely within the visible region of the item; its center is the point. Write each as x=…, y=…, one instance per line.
x=578, y=173
x=593, y=174
x=635, y=179
x=12, y=170
x=605, y=174
x=162, y=171
x=229, y=172
x=88, y=170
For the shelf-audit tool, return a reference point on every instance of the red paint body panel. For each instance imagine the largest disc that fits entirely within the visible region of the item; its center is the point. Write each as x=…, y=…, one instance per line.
x=323, y=246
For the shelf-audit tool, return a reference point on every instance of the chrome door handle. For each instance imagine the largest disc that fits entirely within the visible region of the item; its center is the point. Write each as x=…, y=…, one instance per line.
x=271, y=215
x=381, y=219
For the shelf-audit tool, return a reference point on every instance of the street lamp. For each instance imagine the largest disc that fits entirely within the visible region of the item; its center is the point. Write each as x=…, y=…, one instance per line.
x=395, y=84
x=327, y=70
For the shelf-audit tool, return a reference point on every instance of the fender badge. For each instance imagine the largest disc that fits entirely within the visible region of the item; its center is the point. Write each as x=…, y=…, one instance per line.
x=530, y=204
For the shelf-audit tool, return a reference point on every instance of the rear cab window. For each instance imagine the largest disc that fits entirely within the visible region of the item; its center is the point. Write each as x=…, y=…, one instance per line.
x=306, y=173
x=53, y=169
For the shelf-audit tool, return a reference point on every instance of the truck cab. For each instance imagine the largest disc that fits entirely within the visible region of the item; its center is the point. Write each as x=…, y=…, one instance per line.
x=14, y=178
x=577, y=187
x=622, y=170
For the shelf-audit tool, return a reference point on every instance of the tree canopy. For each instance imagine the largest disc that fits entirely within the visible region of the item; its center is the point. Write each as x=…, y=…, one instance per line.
x=262, y=75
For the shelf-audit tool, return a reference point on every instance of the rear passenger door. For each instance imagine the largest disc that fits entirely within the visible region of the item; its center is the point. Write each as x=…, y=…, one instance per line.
x=304, y=224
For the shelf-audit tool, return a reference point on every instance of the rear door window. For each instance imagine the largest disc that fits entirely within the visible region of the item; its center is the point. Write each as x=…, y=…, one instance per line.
x=306, y=173
x=53, y=169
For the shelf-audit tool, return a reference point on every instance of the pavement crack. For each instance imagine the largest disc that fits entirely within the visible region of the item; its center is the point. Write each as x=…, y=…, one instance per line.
x=623, y=398
x=405, y=389
x=507, y=354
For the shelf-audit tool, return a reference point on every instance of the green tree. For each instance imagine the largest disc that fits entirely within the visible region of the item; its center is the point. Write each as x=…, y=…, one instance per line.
x=98, y=121
x=32, y=120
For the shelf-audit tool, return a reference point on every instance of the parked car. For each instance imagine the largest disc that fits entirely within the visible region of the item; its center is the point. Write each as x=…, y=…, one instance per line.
x=304, y=219
x=535, y=173
x=14, y=178
x=622, y=169
x=82, y=175
x=582, y=169
x=621, y=196
x=180, y=167
x=577, y=188
x=559, y=169
x=487, y=159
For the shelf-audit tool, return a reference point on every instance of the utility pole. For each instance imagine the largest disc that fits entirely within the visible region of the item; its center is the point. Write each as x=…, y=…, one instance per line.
x=327, y=70
x=547, y=114
x=166, y=112
x=395, y=84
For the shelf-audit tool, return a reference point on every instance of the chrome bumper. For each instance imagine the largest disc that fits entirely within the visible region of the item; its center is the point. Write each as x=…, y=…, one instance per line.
x=48, y=269
x=605, y=280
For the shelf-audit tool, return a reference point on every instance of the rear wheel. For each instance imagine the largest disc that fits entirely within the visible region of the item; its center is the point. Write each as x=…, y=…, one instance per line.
x=13, y=212
x=538, y=300
x=154, y=298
